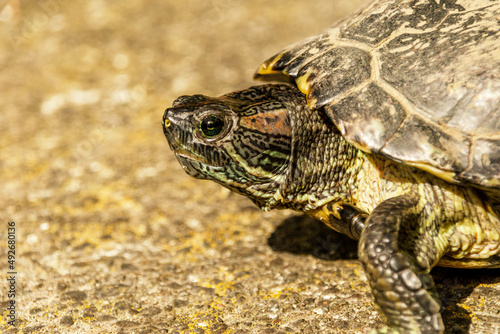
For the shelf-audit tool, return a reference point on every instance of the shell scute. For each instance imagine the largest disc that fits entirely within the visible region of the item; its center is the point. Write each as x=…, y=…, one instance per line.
x=437, y=64
x=348, y=67
x=443, y=70
x=422, y=143
x=378, y=116
x=378, y=23
x=485, y=163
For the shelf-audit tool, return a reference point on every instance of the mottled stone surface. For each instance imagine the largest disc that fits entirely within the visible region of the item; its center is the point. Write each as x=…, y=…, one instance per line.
x=112, y=236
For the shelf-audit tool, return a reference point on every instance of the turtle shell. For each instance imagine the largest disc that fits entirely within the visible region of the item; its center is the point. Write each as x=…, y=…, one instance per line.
x=415, y=81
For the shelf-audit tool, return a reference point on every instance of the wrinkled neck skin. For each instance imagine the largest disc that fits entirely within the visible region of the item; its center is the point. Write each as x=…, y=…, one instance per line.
x=272, y=148
x=322, y=167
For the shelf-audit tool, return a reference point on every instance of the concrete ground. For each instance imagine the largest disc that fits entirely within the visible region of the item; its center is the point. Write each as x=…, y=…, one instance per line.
x=111, y=236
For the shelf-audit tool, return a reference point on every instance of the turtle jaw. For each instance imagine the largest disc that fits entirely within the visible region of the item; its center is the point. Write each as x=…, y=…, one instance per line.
x=176, y=124
x=172, y=124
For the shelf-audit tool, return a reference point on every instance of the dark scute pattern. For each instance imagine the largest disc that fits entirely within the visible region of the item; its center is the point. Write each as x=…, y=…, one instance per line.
x=376, y=27
x=335, y=72
x=376, y=118
x=294, y=59
x=422, y=142
x=432, y=71
x=485, y=161
x=438, y=60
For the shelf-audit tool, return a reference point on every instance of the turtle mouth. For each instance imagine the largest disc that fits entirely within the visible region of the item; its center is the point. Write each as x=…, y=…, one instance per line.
x=187, y=158
x=180, y=140
x=190, y=165
x=175, y=130
x=187, y=155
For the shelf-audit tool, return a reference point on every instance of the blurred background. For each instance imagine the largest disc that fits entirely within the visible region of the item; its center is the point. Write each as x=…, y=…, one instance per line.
x=111, y=235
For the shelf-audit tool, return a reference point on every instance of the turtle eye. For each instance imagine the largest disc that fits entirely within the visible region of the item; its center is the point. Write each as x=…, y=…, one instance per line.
x=211, y=126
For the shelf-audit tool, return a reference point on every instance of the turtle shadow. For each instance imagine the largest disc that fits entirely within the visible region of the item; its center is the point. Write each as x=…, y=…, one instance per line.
x=303, y=235
x=455, y=286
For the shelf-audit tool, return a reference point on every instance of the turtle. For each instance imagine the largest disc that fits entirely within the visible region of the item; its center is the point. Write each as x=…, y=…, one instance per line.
x=386, y=127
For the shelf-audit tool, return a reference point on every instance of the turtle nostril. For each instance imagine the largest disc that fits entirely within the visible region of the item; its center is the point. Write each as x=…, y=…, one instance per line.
x=166, y=123
x=166, y=119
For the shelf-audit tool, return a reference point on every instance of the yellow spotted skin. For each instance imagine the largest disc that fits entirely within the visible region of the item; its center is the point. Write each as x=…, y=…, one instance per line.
x=469, y=228
x=413, y=221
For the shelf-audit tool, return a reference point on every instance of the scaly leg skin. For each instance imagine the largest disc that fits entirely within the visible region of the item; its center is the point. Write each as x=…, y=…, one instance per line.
x=401, y=285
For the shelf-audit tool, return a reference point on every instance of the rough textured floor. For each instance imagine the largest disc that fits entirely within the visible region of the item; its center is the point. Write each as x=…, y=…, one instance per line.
x=111, y=235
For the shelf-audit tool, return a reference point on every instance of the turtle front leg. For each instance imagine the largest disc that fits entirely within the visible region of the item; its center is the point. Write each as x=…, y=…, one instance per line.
x=397, y=251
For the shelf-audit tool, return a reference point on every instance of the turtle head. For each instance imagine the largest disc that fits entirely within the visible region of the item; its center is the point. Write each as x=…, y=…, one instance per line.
x=242, y=140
